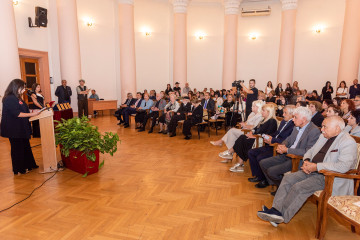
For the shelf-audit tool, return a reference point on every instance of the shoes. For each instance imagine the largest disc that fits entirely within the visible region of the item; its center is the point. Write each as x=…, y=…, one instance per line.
x=273, y=193
x=138, y=127
x=150, y=131
x=226, y=161
x=271, y=215
x=119, y=123
x=214, y=143
x=126, y=125
x=172, y=135
x=20, y=172
x=262, y=184
x=264, y=208
x=254, y=179
x=36, y=167
x=187, y=138
x=237, y=169
x=164, y=132
x=141, y=130
x=226, y=154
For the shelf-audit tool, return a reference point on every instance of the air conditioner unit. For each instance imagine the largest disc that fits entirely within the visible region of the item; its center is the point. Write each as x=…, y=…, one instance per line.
x=255, y=12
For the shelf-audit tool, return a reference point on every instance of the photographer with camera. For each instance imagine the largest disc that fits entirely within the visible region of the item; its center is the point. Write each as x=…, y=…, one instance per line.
x=252, y=94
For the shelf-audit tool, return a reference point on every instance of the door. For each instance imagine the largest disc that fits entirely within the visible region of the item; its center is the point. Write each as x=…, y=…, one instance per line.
x=30, y=74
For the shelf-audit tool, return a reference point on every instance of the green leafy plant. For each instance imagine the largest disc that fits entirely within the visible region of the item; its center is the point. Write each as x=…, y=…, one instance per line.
x=79, y=134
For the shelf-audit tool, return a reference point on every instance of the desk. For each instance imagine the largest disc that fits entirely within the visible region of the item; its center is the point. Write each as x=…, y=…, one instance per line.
x=94, y=105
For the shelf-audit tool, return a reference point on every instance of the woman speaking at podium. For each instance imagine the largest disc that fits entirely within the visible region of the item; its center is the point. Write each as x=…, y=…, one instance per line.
x=15, y=125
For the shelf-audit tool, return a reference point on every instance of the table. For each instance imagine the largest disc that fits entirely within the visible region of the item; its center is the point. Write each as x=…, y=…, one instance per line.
x=94, y=105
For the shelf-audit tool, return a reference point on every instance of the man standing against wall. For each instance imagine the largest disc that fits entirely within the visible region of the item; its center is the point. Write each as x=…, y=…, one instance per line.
x=63, y=92
x=252, y=95
x=82, y=93
x=354, y=89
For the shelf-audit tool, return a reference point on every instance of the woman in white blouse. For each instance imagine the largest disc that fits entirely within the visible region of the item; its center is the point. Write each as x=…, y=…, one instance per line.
x=342, y=90
x=269, y=88
x=254, y=119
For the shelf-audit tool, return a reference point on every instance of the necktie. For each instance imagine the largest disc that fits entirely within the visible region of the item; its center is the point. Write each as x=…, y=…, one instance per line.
x=205, y=104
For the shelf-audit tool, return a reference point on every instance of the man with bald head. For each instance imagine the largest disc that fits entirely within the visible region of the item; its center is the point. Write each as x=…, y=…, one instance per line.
x=335, y=150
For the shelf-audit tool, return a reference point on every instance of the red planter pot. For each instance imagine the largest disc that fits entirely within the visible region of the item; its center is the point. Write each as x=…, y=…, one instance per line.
x=80, y=163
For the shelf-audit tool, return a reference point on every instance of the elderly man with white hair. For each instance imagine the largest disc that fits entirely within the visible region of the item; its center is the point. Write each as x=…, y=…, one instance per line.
x=335, y=150
x=302, y=138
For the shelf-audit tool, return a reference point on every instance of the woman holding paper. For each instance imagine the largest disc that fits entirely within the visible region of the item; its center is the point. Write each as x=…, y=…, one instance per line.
x=15, y=125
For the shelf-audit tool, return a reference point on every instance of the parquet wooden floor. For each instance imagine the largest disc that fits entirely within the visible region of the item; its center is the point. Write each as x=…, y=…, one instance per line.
x=155, y=187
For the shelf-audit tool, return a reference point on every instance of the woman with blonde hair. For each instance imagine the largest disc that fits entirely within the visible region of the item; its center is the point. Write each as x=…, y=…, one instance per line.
x=230, y=137
x=244, y=143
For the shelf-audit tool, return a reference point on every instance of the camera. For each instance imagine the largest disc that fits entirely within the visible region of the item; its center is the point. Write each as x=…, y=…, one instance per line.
x=237, y=83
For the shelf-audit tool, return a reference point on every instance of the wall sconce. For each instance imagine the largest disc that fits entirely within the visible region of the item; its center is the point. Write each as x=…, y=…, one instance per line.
x=253, y=36
x=146, y=31
x=200, y=35
x=15, y=2
x=319, y=28
x=89, y=22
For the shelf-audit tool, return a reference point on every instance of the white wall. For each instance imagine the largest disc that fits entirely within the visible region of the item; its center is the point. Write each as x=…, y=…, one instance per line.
x=258, y=59
x=205, y=56
x=152, y=52
x=317, y=55
x=97, y=46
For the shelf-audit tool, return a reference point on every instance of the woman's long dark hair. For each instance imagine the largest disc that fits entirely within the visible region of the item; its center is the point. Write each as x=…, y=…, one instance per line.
x=13, y=88
x=34, y=86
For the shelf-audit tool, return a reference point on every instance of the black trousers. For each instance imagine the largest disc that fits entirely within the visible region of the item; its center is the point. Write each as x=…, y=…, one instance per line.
x=242, y=146
x=174, y=121
x=231, y=119
x=140, y=116
x=82, y=108
x=187, y=127
x=154, y=115
x=256, y=155
x=21, y=155
x=119, y=114
x=36, y=129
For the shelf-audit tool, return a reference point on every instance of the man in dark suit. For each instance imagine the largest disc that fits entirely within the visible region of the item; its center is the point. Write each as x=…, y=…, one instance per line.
x=63, y=93
x=131, y=109
x=257, y=154
x=128, y=102
x=208, y=104
x=354, y=89
x=302, y=138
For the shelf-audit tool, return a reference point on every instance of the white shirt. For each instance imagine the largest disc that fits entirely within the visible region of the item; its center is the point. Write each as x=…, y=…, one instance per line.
x=342, y=90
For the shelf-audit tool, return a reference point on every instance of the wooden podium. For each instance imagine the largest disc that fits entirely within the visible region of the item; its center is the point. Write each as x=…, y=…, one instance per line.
x=49, y=162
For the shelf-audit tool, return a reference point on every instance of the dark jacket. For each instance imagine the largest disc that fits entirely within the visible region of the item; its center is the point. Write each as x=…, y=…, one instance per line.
x=317, y=119
x=325, y=94
x=269, y=127
x=354, y=91
x=227, y=105
x=13, y=126
x=130, y=102
x=281, y=134
x=61, y=94
x=184, y=108
x=278, y=91
x=272, y=99
x=197, y=115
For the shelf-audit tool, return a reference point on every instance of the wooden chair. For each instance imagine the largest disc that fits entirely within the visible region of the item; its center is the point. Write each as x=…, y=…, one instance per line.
x=342, y=206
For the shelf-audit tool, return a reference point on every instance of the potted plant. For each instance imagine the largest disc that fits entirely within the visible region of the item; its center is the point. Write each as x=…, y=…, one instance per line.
x=80, y=144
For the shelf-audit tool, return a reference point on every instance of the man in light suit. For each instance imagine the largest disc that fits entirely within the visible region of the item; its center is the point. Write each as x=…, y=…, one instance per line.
x=334, y=151
x=302, y=138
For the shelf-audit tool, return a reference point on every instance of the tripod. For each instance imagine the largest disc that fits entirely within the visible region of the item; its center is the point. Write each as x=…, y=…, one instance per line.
x=238, y=101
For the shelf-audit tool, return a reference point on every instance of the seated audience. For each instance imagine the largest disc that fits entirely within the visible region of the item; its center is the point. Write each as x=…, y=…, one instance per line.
x=131, y=109
x=301, y=104
x=170, y=108
x=208, y=104
x=230, y=137
x=141, y=111
x=346, y=107
x=302, y=138
x=152, y=95
x=155, y=109
x=337, y=101
x=317, y=117
x=194, y=117
x=297, y=187
x=245, y=142
x=168, y=89
x=185, y=107
x=218, y=100
x=231, y=113
x=353, y=127
x=271, y=97
x=279, y=89
x=257, y=154
x=281, y=102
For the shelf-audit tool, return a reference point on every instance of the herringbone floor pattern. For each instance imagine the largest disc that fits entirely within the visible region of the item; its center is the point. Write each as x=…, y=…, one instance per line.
x=155, y=187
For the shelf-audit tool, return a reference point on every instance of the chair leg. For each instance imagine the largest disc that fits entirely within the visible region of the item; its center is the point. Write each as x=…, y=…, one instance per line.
x=323, y=224
x=198, y=128
x=353, y=229
x=209, y=129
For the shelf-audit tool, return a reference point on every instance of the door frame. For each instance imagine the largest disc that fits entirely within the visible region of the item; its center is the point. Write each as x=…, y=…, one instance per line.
x=43, y=69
